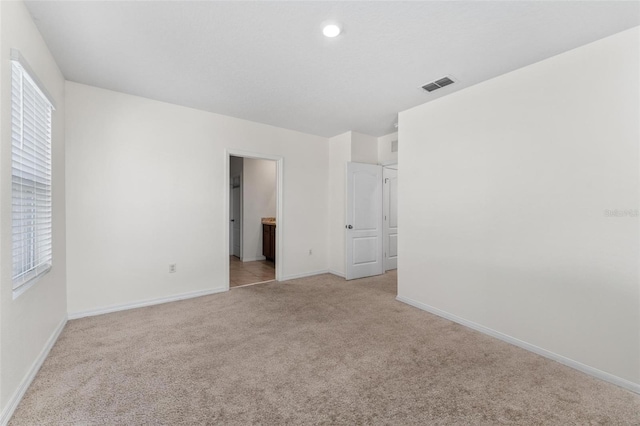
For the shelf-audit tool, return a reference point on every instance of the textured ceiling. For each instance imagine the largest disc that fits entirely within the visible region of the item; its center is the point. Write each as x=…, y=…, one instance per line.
x=268, y=61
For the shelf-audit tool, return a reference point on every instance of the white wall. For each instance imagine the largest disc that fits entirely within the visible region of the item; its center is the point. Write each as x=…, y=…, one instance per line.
x=502, y=205
x=259, y=200
x=385, y=156
x=364, y=148
x=28, y=323
x=145, y=188
x=339, y=155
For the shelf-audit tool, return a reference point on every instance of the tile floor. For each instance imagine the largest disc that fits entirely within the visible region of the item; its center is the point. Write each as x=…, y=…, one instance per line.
x=243, y=273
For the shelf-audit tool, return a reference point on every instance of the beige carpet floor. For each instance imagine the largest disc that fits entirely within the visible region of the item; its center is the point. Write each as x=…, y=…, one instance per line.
x=317, y=350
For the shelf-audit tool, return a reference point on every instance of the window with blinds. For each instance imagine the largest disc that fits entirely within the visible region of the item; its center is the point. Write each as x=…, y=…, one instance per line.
x=31, y=113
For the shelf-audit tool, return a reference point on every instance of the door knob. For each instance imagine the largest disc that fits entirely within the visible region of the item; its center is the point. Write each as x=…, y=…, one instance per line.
x=349, y=227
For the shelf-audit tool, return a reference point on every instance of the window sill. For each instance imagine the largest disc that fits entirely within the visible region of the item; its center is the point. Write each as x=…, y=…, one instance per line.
x=17, y=292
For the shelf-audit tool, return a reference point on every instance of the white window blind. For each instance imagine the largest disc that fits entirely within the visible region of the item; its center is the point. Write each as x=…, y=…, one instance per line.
x=31, y=176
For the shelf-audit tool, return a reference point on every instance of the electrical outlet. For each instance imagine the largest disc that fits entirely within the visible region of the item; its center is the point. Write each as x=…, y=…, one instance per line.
x=310, y=252
x=172, y=268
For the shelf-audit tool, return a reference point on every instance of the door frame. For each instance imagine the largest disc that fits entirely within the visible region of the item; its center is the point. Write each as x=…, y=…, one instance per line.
x=279, y=204
x=241, y=217
x=385, y=223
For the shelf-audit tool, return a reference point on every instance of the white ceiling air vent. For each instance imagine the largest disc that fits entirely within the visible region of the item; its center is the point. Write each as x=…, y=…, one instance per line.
x=394, y=146
x=435, y=85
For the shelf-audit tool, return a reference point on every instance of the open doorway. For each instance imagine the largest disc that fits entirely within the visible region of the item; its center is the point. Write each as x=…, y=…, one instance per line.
x=254, y=218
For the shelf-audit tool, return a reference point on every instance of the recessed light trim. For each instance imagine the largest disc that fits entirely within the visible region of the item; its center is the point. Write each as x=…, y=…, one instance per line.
x=331, y=30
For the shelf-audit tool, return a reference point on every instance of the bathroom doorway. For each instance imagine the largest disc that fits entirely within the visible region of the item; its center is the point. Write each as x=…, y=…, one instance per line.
x=254, y=220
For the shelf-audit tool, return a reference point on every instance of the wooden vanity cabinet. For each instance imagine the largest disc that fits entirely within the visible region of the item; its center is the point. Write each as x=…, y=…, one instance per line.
x=269, y=241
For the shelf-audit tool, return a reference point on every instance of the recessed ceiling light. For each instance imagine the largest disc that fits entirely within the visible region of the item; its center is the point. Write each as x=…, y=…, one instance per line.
x=331, y=30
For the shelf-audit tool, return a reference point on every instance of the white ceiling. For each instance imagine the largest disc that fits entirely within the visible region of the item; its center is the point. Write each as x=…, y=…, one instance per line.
x=268, y=61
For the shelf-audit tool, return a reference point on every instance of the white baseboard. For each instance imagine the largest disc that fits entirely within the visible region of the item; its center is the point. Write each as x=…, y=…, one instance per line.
x=619, y=381
x=28, y=378
x=340, y=274
x=304, y=275
x=253, y=259
x=143, y=303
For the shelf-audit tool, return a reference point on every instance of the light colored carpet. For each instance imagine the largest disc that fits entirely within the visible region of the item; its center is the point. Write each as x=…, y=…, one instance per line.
x=314, y=350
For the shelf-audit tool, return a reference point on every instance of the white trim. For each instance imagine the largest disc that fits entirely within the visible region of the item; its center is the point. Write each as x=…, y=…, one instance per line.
x=252, y=154
x=15, y=399
x=279, y=206
x=386, y=218
x=619, y=381
x=16, y=56
x=143, y=303
x=253, y=259
x=304, y=275
x=18, y=291
x=340, y=274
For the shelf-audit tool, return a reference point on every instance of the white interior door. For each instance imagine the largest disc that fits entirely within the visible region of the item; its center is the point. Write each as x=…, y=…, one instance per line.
x=364, y=220
x=236, y=219
x=390, y=219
